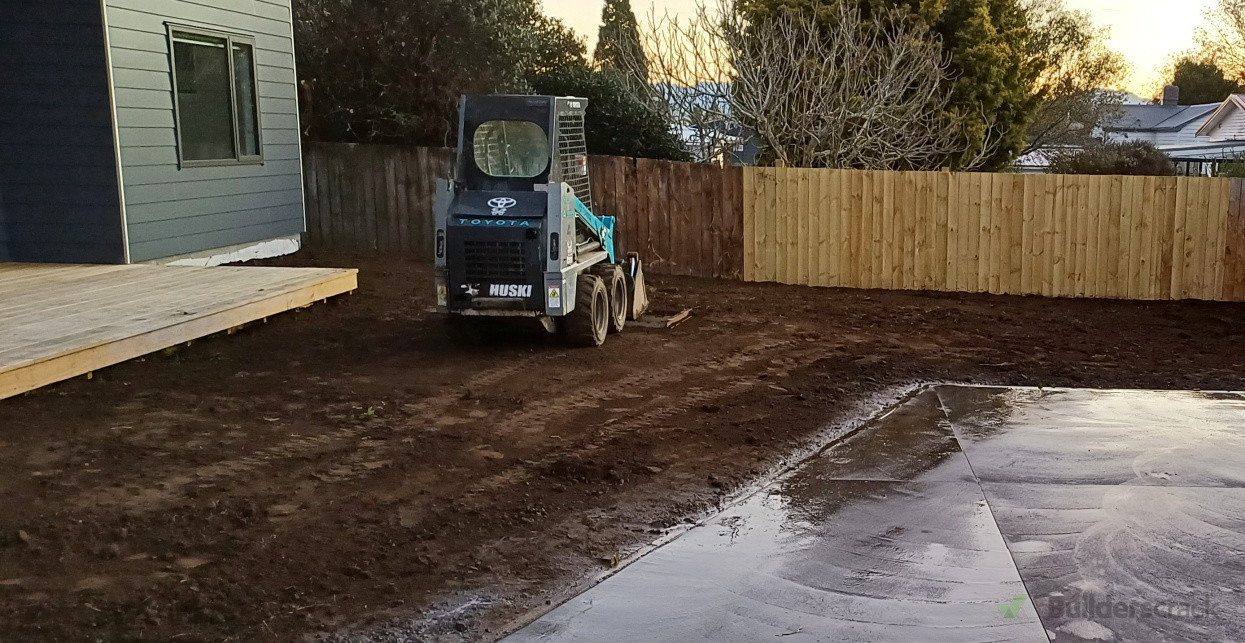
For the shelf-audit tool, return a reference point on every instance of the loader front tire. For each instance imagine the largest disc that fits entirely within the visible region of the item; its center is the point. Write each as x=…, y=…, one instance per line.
x=588, y=323
x=616, y=287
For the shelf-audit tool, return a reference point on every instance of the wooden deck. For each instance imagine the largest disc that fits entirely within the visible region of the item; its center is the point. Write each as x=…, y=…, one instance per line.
x=61, y=321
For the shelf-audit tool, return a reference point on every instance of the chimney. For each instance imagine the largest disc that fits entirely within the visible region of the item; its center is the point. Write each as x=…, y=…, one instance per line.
x=1171, y=95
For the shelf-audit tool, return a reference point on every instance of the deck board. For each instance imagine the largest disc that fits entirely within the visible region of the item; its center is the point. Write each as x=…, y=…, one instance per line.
x=61, y=321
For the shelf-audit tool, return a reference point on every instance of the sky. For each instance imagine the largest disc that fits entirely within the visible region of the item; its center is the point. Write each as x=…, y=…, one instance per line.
x=1146, y=32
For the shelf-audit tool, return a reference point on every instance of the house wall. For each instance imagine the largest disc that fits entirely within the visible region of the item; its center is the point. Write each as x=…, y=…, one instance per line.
x=172, y=210
x=58, y=176
x=1187, y=135
x=1184, y=136
x=1132, y=137
x=1232, y=128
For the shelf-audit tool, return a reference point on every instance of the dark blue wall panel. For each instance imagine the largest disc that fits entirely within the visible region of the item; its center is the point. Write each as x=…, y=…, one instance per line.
x=58, y=177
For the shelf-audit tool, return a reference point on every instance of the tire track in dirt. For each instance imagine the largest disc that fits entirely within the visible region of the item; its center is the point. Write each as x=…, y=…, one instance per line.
x=588, y=397
x=164, y=490
x=690, y=399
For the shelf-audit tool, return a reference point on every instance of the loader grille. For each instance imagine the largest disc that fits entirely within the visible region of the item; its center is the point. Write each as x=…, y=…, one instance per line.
x=573, y=155
x=494, y=260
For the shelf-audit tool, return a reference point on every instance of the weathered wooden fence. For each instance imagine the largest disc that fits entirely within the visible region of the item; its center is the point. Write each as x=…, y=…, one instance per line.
x=372, y=198
x=1055, y=235
x=1074, y=236
x=682, y=218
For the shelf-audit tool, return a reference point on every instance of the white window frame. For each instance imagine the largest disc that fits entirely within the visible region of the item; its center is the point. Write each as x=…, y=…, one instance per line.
x=230, y=38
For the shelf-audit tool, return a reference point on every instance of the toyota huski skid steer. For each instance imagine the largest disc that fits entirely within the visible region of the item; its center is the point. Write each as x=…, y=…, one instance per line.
x=515, y=232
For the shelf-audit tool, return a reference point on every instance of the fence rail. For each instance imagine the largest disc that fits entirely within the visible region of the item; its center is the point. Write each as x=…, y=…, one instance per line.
x=1054, y=235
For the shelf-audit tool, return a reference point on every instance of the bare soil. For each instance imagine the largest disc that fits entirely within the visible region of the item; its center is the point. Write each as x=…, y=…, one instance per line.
x=349, y=469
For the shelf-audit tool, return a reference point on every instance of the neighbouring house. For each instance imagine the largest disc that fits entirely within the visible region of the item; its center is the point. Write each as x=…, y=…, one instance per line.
x=1227, y=123
x=142, y=130
x=1182, y=132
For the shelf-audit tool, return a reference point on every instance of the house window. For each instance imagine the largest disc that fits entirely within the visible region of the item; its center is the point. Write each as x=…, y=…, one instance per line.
x=217, y=104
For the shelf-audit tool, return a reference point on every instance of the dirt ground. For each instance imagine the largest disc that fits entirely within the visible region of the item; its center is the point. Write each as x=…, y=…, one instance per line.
x=348, y=470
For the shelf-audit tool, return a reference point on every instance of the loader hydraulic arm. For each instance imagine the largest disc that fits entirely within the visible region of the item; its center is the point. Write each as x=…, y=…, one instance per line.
x=601, y=227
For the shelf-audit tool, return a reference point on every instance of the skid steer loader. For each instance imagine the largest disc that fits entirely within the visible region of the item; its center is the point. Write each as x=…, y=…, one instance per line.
x=516, y=235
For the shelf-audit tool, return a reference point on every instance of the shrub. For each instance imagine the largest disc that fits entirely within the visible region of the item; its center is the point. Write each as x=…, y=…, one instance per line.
x=619, y=123
x=1136, y=158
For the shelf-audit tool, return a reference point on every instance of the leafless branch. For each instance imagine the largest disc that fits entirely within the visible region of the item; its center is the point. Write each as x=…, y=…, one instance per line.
x=824, y=88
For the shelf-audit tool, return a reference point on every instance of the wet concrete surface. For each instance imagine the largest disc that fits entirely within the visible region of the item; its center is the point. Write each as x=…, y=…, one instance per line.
x=965, y=514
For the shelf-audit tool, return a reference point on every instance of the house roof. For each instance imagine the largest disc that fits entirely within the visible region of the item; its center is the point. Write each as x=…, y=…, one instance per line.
x=1234, y=102
x=1160, y=118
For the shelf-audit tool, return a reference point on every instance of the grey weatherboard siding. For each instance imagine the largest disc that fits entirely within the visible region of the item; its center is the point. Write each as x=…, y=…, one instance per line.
x=58, y=176
x=172, y=210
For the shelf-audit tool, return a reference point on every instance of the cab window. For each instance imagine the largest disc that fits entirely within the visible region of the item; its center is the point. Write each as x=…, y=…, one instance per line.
x=511, y=149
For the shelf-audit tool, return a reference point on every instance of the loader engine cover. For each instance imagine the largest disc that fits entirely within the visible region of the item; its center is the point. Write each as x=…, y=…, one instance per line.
x=496, y=251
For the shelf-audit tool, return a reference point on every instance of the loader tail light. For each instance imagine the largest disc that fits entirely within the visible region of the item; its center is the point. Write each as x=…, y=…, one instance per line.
x=554, y=245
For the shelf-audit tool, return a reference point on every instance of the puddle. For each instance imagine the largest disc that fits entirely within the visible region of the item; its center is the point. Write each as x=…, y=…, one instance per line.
x=965, y=514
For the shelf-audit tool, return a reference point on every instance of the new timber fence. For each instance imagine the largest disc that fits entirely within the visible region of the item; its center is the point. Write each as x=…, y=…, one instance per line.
x=1054, y=235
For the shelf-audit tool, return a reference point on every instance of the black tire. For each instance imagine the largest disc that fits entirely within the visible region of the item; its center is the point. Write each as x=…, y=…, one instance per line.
x=616, y=287
x=588, y=323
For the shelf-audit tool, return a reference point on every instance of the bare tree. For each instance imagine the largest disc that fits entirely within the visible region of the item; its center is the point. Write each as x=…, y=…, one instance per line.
x=689, y=64
x=1078, y=69
x=1222, y=39
x=868, y=93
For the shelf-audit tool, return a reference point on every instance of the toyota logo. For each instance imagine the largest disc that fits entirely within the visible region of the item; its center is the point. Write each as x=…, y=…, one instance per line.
x=502, y=203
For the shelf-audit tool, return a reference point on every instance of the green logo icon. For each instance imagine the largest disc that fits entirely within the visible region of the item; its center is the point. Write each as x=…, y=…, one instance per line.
x=1010, y=610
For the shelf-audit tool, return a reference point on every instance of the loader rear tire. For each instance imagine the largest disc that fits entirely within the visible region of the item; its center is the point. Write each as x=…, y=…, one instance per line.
x=616, y=287
x=588, y=323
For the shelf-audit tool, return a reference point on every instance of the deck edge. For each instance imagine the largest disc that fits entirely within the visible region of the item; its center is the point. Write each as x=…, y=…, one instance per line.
x=72, y=364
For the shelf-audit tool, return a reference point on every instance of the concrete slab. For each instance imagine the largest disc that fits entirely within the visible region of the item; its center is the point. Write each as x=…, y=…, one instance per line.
x=1062, y=436
x=851, y=547
x=1122, y=511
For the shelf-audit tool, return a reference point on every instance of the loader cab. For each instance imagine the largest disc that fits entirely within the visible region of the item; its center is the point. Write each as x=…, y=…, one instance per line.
x=513, y=143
